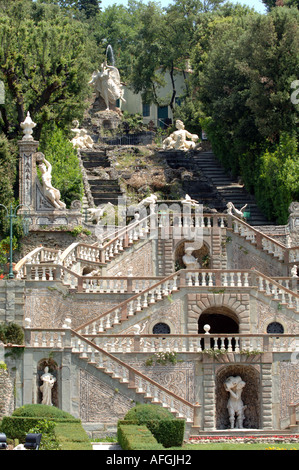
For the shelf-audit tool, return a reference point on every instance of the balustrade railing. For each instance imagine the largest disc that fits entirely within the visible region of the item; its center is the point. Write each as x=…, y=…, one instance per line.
x=178, y=343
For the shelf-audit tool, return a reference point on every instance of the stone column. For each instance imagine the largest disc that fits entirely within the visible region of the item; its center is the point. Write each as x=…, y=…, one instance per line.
x=27, y=172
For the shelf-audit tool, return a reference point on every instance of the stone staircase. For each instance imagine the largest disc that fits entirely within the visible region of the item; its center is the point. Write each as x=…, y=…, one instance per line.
x=228, y=189
x=104, y=187
x=212, y=186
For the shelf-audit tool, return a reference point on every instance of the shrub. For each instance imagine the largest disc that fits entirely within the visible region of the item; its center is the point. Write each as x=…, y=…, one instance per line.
x=47, y=429
x=147, y=412
x=44, y=411
x=167, y=430
x=135, y=437
x=11, y=333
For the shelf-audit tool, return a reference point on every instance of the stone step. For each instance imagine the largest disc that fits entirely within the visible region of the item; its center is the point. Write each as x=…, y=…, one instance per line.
x=229, y=433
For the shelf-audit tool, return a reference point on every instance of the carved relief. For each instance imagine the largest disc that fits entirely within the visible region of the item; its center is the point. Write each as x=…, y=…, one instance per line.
x=289, y=386
x=99, y=402
x=178, y=378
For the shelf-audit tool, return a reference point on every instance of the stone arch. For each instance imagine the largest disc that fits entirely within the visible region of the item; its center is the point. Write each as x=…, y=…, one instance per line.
x=202, y=254
x=53, y=369
x=250, y=395
x=236, y=306
x=221, y=320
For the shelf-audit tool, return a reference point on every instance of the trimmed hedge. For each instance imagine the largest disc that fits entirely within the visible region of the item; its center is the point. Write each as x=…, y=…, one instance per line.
x=136, y=437
x=43, y=411
x=16, y=427
x=167, y=430
x=68, y=430
x=146, y=412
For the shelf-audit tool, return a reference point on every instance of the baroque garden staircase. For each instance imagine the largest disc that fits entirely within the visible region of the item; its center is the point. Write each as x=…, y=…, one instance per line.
x=103, y=341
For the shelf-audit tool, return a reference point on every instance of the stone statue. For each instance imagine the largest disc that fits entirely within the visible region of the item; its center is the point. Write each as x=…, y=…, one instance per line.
x=107, y=84
x=81, y=140
x=178, y=139
x=294, y=271
x=235, y=406
x=231, y=210
x=27, y=127
x=96, y=213
x=46, y=389
x=190, y=261
x=188, y=201
x=49, y=191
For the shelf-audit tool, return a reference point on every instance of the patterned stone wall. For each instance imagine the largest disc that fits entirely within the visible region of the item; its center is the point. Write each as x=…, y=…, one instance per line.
x=289, y=386
x=243, y=255
x=48, y=308
x=139, y=262
x=99, y=402
x=6, y=394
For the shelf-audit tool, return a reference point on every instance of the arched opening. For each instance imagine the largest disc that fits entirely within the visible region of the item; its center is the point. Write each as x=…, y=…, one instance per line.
x=222, y=321
x=275, y=327
x=161, y=329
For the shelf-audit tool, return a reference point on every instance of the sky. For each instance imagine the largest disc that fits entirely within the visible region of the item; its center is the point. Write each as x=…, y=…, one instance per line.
x=256, y=4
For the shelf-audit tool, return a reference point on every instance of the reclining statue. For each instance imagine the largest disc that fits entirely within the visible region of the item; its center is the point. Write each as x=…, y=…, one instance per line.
x=178, y=139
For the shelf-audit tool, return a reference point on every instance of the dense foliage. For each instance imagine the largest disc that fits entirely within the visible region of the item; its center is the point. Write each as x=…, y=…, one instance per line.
x=245, y=87
x=245, y=70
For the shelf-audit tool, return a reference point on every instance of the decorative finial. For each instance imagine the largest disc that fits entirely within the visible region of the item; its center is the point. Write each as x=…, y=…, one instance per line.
x=27, y=127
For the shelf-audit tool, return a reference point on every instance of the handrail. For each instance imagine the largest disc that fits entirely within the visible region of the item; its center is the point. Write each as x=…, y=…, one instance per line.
x=133, y=373
x=126, y=302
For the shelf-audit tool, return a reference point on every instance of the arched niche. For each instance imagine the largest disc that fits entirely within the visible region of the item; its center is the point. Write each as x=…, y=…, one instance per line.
x=53, y=369
x=221, y=320
x=250, y=396
x=202, y=254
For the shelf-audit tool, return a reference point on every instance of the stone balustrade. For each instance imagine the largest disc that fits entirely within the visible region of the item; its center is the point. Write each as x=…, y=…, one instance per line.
x=176, y=223
x=132, y=306
x=151, y=343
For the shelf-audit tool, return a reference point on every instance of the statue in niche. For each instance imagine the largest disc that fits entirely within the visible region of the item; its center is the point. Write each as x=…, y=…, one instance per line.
x=235, y=406
x=189, y=260
x=106, y=82
x=49, y=191
x=81, y=140
x=178, y=139
x=46, y=389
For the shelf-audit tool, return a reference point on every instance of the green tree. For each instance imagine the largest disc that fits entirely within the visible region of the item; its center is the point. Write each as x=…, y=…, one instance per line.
x=66, y=173
x=244, y=85
x=45, y=63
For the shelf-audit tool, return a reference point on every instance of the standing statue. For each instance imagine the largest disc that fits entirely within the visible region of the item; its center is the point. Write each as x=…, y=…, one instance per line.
x=235, y=406
x=50, y=192
x=178, y=139
x=46, y=389
x=107, y=84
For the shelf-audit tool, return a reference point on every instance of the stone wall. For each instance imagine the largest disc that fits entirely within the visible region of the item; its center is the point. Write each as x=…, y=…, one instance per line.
x=58, y=240
x=48, y=307
x=138, y=261
x=6, y=394
x=241, y=254
x=12, y=295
